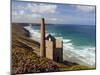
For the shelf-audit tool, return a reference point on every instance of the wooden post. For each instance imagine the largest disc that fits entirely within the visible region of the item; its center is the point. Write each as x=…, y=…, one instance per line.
x=42, y=45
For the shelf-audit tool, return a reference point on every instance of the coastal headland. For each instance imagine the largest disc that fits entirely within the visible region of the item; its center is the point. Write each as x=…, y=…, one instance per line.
x=26, y=59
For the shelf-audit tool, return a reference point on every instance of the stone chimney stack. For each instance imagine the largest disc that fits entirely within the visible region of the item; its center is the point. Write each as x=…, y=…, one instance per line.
x=42, y=44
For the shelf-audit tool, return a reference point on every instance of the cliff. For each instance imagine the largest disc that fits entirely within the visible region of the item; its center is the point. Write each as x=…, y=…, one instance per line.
x=26, y=59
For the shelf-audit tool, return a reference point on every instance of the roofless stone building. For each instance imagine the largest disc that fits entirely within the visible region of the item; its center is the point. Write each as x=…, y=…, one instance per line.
x=50, y=47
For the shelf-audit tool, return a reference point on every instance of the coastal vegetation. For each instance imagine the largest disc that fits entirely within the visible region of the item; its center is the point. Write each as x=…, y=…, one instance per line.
x=26, y=59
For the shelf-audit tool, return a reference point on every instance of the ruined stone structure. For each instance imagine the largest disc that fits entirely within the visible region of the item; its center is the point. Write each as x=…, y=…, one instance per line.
x=54, y=48
x=50, y=47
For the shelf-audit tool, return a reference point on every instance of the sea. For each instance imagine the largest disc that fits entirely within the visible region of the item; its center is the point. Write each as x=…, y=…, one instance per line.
x=79, y=41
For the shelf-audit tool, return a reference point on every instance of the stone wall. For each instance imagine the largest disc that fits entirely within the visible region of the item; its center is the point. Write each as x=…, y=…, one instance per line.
x=54, y=50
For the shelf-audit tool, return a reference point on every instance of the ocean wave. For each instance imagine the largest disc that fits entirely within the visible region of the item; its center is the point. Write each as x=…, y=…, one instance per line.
x=83, y=55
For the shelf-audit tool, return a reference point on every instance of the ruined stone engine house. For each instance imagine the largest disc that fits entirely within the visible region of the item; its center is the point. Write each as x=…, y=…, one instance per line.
x=50, y=47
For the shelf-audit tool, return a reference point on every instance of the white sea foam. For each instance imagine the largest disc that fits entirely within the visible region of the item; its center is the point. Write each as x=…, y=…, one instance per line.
x=66, y=40
x=84, y=55
x=33, y=33
x=81, y=55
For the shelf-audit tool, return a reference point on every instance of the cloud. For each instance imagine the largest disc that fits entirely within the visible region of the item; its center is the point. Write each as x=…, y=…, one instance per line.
x=21, y=12
x=32, y=10
x=14, y=13
x=85, y=8
x=36, y=8
x=42, y=8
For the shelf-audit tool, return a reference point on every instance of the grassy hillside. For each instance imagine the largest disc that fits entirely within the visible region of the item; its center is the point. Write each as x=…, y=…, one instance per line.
x=25, y=55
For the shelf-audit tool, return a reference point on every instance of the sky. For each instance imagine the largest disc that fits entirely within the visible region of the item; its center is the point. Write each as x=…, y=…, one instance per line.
x=32, y=12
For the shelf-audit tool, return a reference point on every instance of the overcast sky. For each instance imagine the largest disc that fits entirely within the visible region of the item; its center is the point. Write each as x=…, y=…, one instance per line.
x=32, y=12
